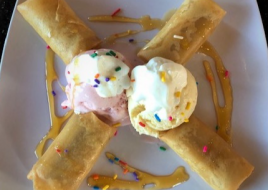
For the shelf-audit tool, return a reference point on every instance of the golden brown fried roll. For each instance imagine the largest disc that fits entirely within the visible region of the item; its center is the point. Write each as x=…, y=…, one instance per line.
x=59, y=26
x=194, y=21
x=72, y=155
x=208, y=155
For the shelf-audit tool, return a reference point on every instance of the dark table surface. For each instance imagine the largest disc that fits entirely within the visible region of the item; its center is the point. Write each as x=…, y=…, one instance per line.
x=7, y=6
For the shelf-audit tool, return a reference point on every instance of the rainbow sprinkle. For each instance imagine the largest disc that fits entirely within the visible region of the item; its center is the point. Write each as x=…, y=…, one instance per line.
x=105, y=187
x=141, y=124
x=76, y=79
x=95, y=86
x=107, y=79
x=66, y=151
x=76, y=61
x=123, y=163
x=112, y=53
x=177, y=94
x=116, y=159
x=170, y=118
x=111, y=161
x=178, y=37
x=115, y=133
x=205, y=149
x=162, y=148
x=58, y=150
x=186, y=120
x=117, y=69
x=64, y=107
x=131, y=40
x=48, y=47
x=209, y=78
x=157, y=117
x=226, y=74
x=115, y=12
x=96, y=187
x=163, y=76
x=188, y=106
x=132, y=80
x=125, y=171
x=182, y=113
x=68, y=72
x=197, y=83
x=97, y=81
x=116, y=125
x=54, y=93
x=135, y=176
x=217, y=128
x=95, y=176
x=97, y=75
x=115, y=176
x=94, y=55
x=113, y=78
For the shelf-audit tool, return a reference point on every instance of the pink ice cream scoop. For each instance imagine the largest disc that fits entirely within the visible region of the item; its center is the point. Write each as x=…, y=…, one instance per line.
x=97, y=82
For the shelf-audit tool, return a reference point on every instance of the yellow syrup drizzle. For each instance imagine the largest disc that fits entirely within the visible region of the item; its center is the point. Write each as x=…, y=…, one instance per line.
x=143, y=179
x=56, y=121
x=113, y=37
x=146, y=22
x=224, y=113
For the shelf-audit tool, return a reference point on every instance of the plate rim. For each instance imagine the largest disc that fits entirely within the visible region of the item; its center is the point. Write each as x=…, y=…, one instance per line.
x=16, y=12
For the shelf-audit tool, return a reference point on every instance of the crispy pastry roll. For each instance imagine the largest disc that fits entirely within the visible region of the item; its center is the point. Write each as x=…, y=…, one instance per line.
x=72, y=155
x=59, y=26
x=185, y=32
x=208, y=155
x=163, y=109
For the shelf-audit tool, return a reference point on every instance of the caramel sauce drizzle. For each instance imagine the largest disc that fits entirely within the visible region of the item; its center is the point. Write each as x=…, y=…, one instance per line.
x=224, y=113
x=143, y=180
x=56, y=121
x=112, y=38
x=146, y=22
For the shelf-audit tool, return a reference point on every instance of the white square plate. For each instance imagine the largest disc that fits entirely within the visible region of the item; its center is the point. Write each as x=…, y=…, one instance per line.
x=24, y=115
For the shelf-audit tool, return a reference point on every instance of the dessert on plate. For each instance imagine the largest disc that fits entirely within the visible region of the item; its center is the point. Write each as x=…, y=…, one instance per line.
x=95, y=91
x=78, y=145
x=72, y=154
x=161, y=100
x=162, y=96
x=185, y=32
x=59, y=27
x=165, y=111
x=97, y=80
